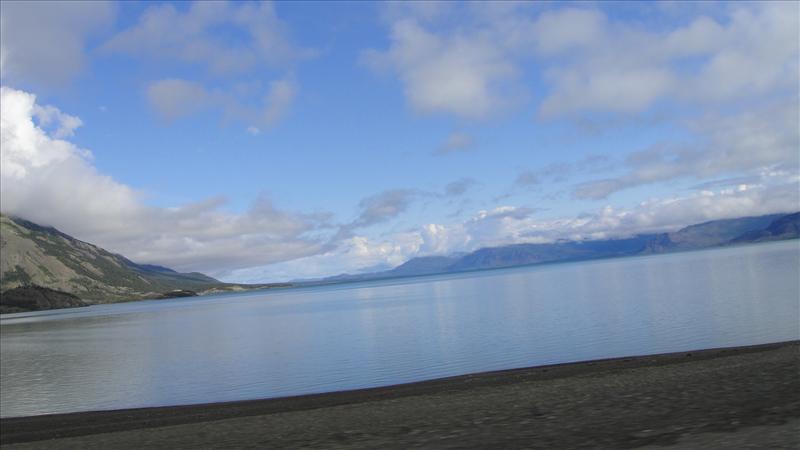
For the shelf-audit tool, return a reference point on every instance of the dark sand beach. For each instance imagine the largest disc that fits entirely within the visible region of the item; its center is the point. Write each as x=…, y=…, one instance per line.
x=746, y=397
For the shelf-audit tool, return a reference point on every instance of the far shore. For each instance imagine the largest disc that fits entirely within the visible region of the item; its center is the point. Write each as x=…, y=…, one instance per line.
x=719, y=398
x=234, y=288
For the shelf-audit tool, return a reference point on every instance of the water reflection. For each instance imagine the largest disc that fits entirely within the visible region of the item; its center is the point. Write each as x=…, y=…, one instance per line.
x=368, y=334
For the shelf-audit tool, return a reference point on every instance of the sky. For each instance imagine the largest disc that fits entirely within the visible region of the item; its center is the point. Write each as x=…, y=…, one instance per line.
x=260, y=142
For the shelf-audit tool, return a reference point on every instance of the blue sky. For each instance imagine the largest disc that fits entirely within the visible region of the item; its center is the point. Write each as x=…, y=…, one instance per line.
x=273, y=141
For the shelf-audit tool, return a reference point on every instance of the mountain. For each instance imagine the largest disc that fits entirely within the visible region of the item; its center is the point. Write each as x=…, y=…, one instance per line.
x=56, y=270
x=786, y=227
x=35, y=298
x=715, y=233
x=710, y=234
x=34, y=255
x=523, y=254
x=423, y=265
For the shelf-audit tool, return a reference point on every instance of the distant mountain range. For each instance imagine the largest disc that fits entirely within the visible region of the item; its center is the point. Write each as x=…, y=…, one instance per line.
x=35, y=256
x=43, y=268
x=716, y=233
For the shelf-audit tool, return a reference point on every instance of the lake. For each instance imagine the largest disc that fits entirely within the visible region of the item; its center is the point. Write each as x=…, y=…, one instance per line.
x=338, y=337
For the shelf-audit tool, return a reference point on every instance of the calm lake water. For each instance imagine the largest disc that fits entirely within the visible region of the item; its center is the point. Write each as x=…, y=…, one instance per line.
x=298, y=341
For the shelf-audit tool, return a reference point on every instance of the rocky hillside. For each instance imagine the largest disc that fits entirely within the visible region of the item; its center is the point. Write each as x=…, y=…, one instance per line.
x=36, y=298
x=33, y=255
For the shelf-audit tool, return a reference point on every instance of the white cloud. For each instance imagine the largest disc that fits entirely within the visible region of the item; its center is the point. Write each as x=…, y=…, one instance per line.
x=746, y=143
x=440, y=239
x=51, y=181
x=165, y=33
x=660, y=214
x=383, y=206
x=426, y=11
x=278, y=100
x=176, y=98
x=564, y=30
x=590, y=62
x=456, y=142
x=44, y=42
x=597, y=65
x=65, y=124
x=759, y=51
x=675, y=212
x=42, y=174
x=462, y=74
x=353, y=255
x=235, y=70
x=507, y=225
x=611, y=90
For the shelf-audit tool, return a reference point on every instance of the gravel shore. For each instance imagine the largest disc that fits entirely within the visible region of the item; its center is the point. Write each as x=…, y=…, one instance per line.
x=746, y=397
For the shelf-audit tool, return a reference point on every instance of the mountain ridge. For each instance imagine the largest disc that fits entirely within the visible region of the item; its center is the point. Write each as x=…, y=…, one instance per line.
x=715, y=233
x=36, y=256
x=33, y=255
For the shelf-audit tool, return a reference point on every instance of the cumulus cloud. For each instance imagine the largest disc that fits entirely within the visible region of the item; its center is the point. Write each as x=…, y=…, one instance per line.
x=742, y=74
x=426, y=11
x=176, y=98
x=378, y=208
x=233, y=71
x=48, y=116
x=464, y=74
x=507, y=225
x=353, y=255
x=279, y=98
x=563, y=30
x=499, y=226
x=384, y=206
x=590, y=63
x=615, y=90
x=749, y=142
x=604, y=66
x=44, y=43
x=358, y=254
x=192, y=36
x=674, y=212
x=51, y=181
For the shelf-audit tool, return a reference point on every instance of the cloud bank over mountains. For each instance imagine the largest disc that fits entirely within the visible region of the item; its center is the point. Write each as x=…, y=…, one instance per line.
x=725, y=81
x=51, y=181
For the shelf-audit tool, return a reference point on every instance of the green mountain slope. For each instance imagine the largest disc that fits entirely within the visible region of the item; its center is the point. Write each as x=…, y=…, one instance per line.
x=31, y=254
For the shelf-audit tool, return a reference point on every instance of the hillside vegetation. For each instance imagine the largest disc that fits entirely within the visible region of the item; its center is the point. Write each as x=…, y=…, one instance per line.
x=33, y=255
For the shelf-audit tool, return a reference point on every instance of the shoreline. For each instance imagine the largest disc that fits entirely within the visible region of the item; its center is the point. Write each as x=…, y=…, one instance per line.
x=300, y=284
x=441, y=392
